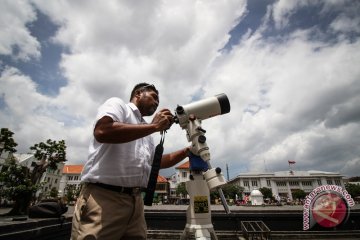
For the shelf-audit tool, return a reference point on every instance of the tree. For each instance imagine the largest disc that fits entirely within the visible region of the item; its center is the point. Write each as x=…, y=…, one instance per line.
x=354, y=179
x=7, y=142
x=181, y=189
x=266, y=192
x=231, y=190
x=353, y=189
x=17, y=186
x=54, y=192
x=214, y=194
x=298, y=194
x=48, y=154
x=71, y=192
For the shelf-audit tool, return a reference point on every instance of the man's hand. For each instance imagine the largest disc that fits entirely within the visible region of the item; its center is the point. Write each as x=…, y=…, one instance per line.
x=163, y=120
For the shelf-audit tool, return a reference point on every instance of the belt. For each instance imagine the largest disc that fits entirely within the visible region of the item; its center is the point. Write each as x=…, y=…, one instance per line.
x=119, y=189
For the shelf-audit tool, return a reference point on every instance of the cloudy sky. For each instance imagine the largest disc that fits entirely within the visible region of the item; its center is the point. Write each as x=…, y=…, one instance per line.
x=289, y=68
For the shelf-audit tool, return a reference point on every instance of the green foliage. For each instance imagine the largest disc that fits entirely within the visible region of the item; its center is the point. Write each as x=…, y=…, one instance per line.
x=54, y=192
x=71, y=192
x=266, y=192
x=16, y=181
x=181, y=189
x=231, y=190
x=6, y=138
x=54, y=152
x=353, y=189
x=19, y=183
x=298, y=194
x=214, y=194
x=354, y=179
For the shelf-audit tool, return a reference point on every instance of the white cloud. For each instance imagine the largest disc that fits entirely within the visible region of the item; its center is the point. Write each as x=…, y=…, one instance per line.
x=291, y=97
x=15, y=39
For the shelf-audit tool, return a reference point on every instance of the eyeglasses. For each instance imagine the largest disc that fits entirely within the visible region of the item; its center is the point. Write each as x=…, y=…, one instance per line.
x=149, y=85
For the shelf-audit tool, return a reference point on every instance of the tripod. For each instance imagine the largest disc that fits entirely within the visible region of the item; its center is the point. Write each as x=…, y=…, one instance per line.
x=203, y=178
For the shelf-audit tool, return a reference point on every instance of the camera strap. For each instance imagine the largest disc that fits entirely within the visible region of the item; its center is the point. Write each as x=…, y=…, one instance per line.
x=150, y=190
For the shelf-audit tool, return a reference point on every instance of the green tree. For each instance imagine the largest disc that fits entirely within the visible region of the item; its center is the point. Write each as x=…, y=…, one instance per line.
x=214, y=194
x=181, y=189
x=48, y=155
x=231, y=190
x=53, y=192
x=266, y=192
x=353, y=189
x=71, y=192
x=7, y=142
x=17, y=186
x=354, y=179
x=298, y=194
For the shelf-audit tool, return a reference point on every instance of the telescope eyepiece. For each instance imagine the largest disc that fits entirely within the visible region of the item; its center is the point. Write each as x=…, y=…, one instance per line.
x=180, y=110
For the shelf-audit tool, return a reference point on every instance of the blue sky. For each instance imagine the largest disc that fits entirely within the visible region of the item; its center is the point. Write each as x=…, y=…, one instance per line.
x=289, y=69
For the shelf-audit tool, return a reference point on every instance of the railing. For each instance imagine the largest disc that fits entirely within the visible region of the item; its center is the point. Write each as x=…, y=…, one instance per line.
x=255, y=230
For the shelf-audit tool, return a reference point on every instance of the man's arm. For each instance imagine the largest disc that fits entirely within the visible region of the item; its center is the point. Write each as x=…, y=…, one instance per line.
x=171, y=159
x=108, y=131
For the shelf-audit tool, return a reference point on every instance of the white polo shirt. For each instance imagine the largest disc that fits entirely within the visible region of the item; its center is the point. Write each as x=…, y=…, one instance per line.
x=126, y=164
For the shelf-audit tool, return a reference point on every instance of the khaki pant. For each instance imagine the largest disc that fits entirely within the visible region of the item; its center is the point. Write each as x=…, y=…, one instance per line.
x=104, y=214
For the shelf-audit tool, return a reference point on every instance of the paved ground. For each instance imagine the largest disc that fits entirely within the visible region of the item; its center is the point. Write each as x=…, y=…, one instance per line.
x=217, y=208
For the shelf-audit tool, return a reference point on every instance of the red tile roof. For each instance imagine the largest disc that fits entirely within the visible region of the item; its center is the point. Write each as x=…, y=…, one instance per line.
x=185, y=165
x=73, y=169
x=77, y=169
x=161, y=179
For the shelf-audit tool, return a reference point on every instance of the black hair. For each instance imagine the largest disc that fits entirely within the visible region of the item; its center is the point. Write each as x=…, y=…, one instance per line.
x=143, y=87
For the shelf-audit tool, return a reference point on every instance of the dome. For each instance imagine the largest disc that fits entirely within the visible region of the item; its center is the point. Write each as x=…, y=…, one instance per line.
x=255, y=193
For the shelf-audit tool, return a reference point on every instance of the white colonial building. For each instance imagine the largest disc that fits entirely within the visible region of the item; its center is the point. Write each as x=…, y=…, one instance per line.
x=50, y=179
x=70, y=176
x=283, y=183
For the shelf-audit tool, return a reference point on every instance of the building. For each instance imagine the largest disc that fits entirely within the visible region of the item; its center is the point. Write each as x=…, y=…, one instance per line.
x=70, y=176
x=162, y=189
x=183, y=172
x=50, y=178
x=181, y=175
x=283, y=183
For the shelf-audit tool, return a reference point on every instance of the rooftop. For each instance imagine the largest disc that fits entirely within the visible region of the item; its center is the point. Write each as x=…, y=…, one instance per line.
x=72, y=169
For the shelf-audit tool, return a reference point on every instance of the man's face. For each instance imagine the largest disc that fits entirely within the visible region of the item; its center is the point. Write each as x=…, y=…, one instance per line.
x=148, y=102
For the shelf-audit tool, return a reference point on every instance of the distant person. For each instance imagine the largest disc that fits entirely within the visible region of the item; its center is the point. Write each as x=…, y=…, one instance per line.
x=110, y=205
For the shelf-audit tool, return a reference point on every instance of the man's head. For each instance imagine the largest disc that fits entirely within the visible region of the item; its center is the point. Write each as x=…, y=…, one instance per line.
x=146, y=97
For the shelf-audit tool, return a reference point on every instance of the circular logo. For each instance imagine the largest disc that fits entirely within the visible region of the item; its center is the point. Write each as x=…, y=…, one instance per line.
x=329, y=210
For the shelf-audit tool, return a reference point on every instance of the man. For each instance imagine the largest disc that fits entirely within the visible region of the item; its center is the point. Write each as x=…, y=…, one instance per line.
x=110, y=205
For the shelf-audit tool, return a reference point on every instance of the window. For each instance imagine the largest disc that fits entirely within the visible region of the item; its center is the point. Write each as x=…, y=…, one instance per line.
x=254, y=183
x=268, y=182
x=319, y=182
x=246, y=183
x=281, y=184
x=184, y=174
x=337, y=182
x=329, y=181
x=76, y=178
x=55, y=180
x=306, y=183
x=160, y=187
x=70, y=178
x=294, y=183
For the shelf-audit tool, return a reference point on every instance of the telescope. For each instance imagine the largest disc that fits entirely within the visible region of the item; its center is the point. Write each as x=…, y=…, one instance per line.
x=203, y=109
x=203, y=177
